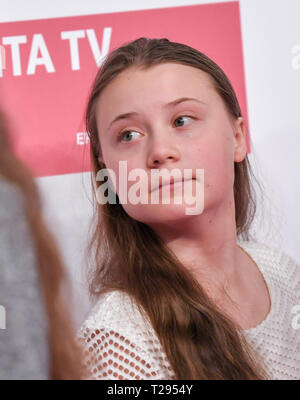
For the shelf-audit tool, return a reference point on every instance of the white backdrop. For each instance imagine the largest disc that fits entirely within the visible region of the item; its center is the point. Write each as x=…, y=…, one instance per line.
x=271, y=46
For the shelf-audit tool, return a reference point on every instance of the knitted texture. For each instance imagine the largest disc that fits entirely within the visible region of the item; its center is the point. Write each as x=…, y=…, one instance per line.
x=120, y=342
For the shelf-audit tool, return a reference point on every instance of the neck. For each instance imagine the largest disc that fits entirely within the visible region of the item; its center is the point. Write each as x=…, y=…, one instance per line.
x=206, y=246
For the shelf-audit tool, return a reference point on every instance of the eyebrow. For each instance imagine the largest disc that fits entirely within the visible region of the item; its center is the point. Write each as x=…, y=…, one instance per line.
x=168, y=105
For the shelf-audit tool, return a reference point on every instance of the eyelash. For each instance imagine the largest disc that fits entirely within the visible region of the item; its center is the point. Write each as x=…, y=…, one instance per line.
x=122, y=133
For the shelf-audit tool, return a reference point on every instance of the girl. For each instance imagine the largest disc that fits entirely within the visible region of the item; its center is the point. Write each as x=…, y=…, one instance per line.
x=178, y=295
x=38, y=341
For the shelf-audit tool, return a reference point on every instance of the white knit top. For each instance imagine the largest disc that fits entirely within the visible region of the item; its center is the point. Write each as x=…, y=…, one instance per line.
x=120, y=344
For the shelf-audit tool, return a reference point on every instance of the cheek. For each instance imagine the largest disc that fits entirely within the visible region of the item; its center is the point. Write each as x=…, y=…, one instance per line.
x=122, y=169
x=217, y=161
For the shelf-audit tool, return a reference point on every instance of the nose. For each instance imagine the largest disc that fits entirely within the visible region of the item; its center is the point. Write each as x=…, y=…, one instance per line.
x=162, y=151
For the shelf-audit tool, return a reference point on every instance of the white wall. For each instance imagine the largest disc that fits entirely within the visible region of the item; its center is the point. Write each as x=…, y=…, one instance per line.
x=270, y=30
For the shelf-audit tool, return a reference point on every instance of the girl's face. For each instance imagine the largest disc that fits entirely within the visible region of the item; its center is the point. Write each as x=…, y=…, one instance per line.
x=177, y=120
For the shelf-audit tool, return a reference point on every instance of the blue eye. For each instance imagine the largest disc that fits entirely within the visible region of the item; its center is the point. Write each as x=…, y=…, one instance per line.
x=181, y=117
x=127, y=135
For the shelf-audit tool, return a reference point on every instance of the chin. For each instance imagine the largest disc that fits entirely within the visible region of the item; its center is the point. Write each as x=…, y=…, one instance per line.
x=159, y=213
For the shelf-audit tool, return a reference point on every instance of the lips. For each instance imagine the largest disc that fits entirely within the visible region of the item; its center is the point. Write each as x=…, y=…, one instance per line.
x=171, y=181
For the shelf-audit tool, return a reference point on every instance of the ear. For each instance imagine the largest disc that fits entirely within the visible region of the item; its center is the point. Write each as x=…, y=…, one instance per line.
x=240, y=143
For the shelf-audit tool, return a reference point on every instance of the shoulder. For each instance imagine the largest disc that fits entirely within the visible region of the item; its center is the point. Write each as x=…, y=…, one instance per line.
x=120, y=343
x=276, y=337
x=275, y=263
x=274, y=256
x=116, y=310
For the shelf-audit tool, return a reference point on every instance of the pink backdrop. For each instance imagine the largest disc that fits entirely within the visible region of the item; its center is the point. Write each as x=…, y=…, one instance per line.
x=51, y=63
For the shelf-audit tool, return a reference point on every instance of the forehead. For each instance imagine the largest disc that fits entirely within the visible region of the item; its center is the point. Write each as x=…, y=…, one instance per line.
x=162, y=82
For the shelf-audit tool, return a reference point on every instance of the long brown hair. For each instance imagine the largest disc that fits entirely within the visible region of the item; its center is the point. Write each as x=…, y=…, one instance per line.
x=64, y=353
x=199, y=341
